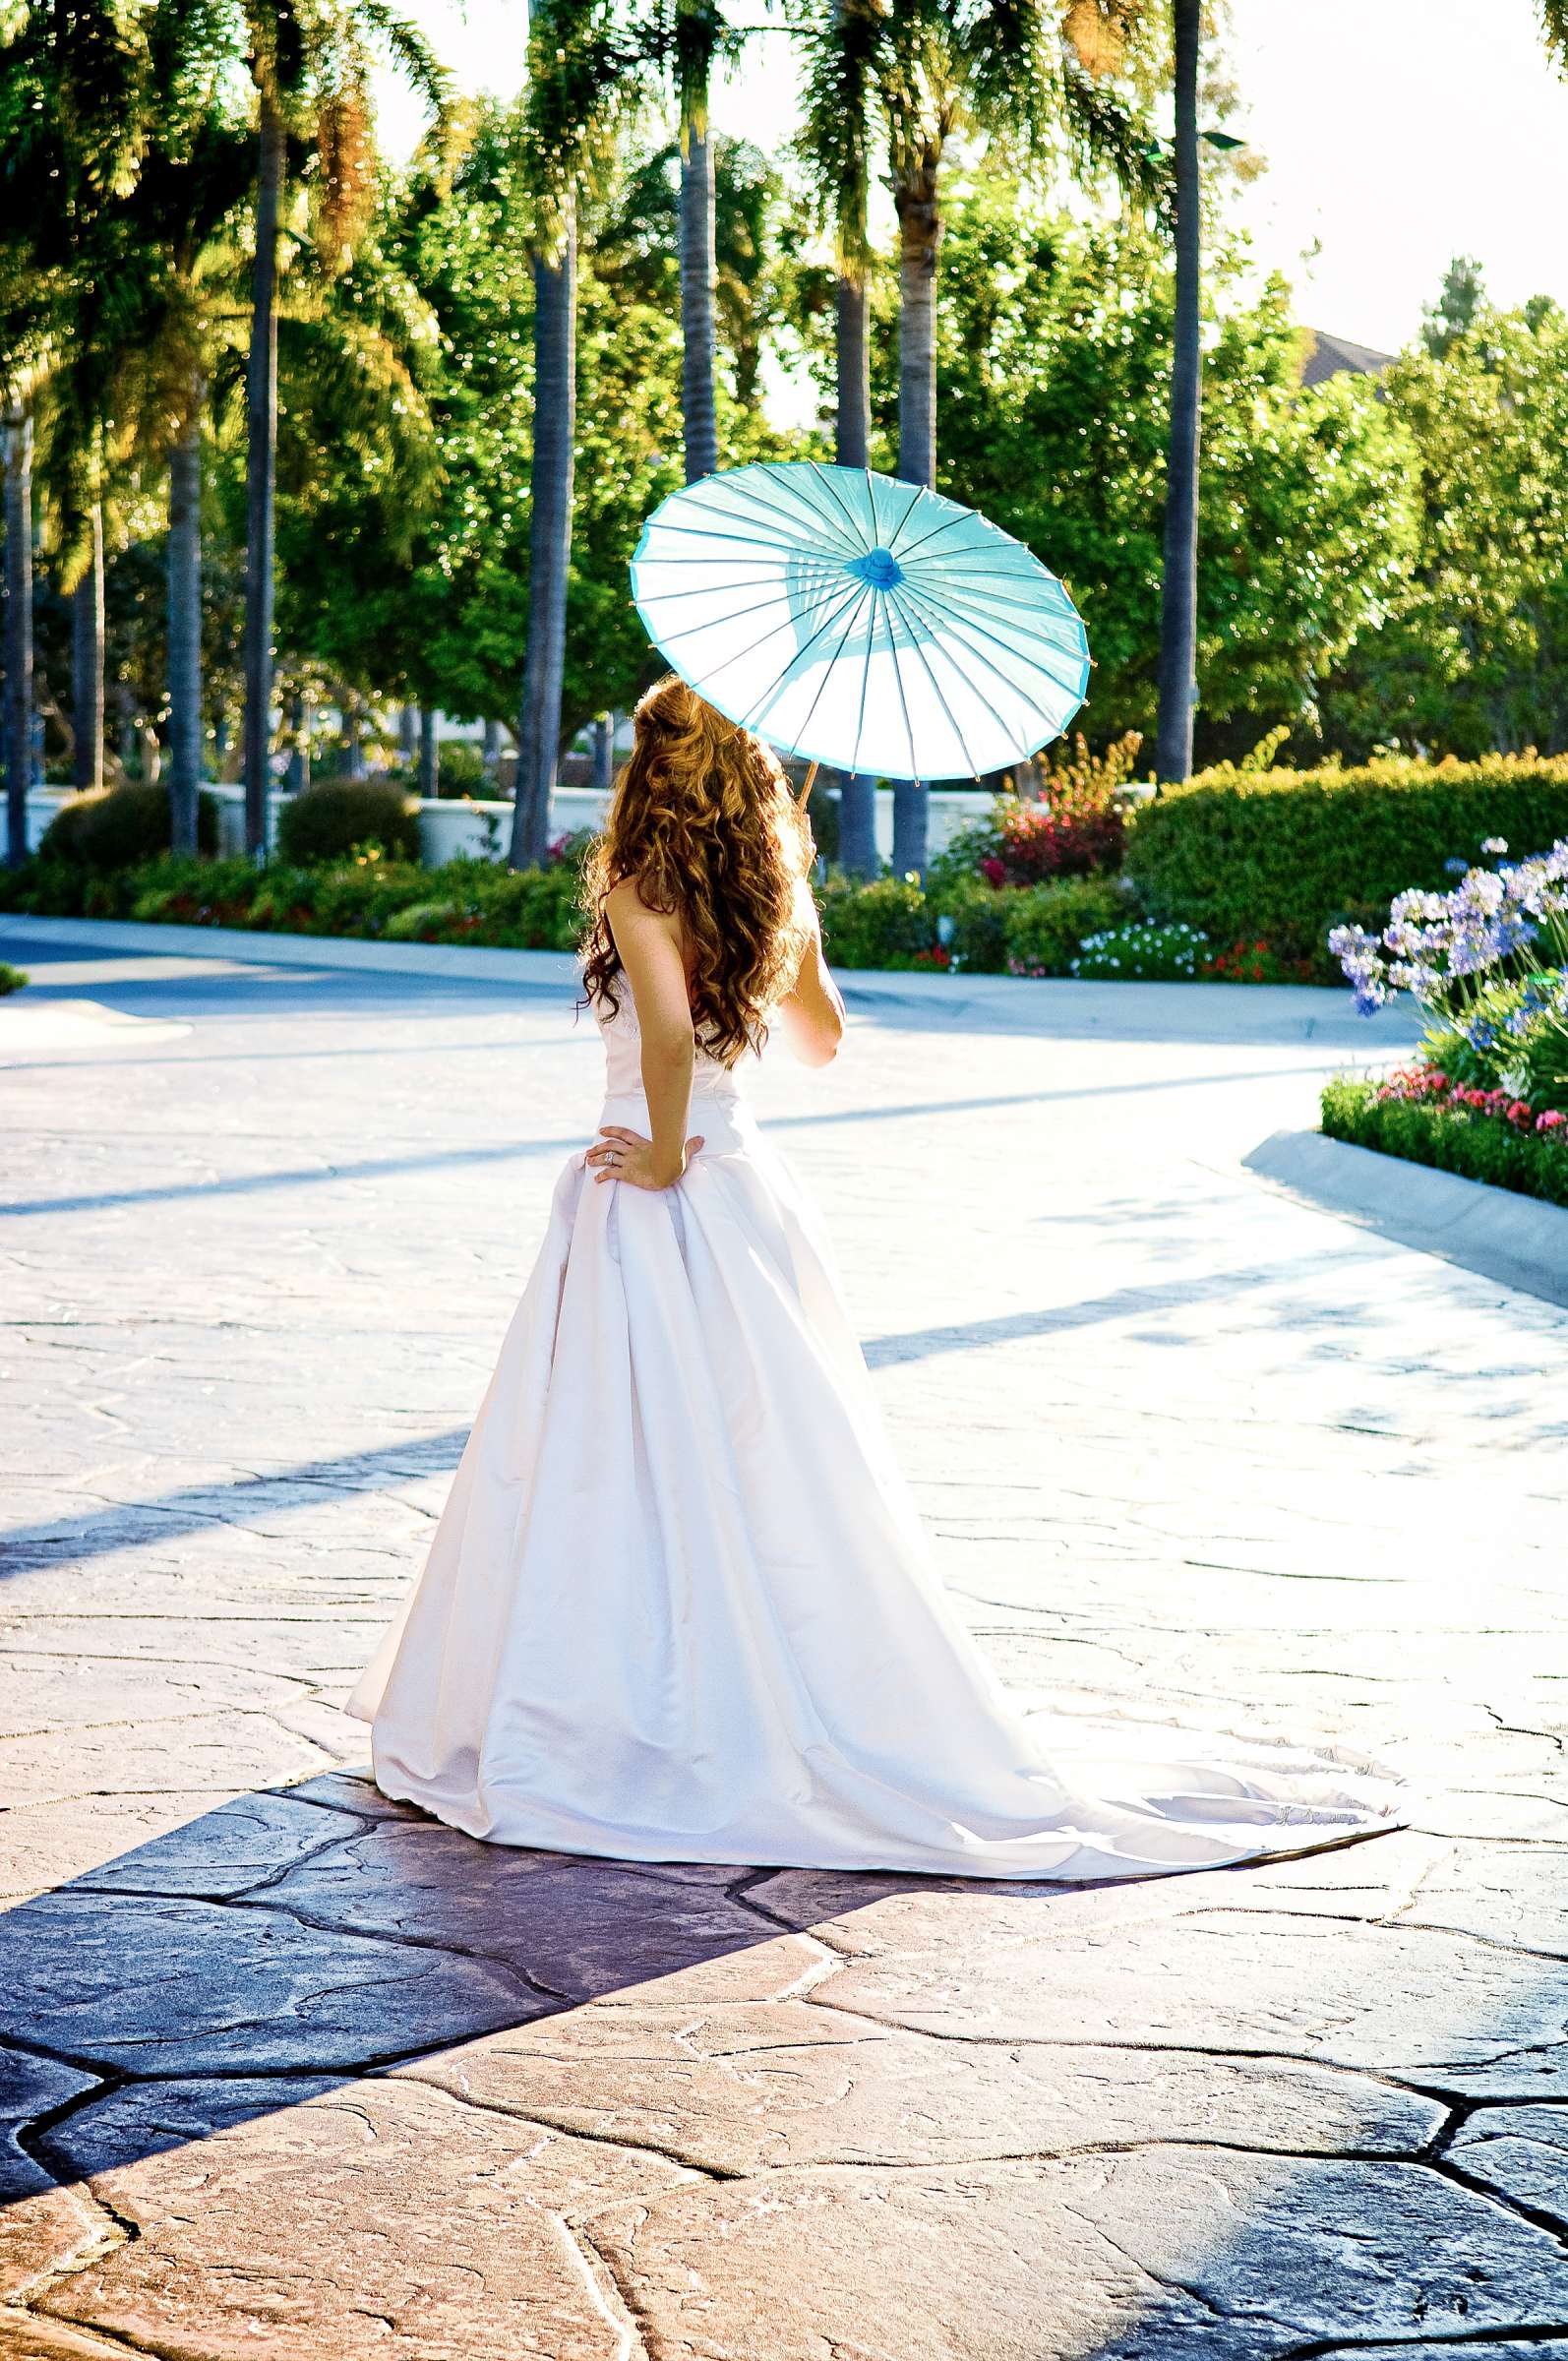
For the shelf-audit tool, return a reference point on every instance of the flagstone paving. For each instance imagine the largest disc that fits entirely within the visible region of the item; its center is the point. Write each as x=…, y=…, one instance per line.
x=288, y=2071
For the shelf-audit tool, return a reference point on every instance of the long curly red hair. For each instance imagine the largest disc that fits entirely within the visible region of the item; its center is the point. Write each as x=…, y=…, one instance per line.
x=705, y=820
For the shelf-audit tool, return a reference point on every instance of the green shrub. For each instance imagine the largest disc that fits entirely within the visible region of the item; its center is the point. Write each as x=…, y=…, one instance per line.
x=12, y=979
x=1479, y=1147
x=1142, y=954
x=1282, y=856
x=1045, y=924
x=182, y=890
x=327, y=822
x=461, y=770
x=887, y=922
x=977, y=914
x=121, y=825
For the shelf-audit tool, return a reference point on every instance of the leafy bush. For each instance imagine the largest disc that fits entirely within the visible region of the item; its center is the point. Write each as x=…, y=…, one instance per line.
x=121, y=825
x=1047, y=924
x=461, y=770
x=887, y=922
x=1069, y=822
x=326, y=822
x=12, y=979
x=973, y=922
x=1286, y=856
x=1480, y=1145
x=1143, y=954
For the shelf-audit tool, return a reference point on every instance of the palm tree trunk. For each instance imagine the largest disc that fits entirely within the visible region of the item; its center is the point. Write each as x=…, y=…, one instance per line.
x=1179, y=611
x=604, y=754
x=408, y=733
x=920, y=230
x=698, y=277
x=299, y=750
x=87, y=665
x=185, y=627
x=852, y=358
x=260, y=471
x=916, y=195
x=490, y=755
x=429, y=752
x=857, y=790
x=555, y=401
x=17, y=630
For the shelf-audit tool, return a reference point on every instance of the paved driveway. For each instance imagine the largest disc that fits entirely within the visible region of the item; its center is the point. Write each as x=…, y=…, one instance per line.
x=291, y=2073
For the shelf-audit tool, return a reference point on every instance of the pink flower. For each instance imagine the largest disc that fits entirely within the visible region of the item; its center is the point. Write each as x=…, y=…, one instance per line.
x=994, y=871
x=1553, y=1121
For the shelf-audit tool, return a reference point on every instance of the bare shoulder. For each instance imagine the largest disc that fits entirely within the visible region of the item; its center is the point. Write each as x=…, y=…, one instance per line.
x=630, y=915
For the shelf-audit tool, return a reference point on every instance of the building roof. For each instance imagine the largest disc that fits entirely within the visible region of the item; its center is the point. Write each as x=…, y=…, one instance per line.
x=1330, y=356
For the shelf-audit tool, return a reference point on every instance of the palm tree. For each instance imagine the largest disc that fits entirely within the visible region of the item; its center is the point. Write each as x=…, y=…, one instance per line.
x=840, y=98
x=186, y=740
x=690, y=36
x=1023, y=72
x=17, y=626
x=87, y=661
x=311, y=70
x=578, y=72
x=1179, y=602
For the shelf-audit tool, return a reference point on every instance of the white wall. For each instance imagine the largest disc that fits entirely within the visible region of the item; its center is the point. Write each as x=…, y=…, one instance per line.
x=448, y=828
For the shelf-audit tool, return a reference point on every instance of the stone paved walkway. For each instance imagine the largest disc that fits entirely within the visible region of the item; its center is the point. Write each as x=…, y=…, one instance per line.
x=291, y=2073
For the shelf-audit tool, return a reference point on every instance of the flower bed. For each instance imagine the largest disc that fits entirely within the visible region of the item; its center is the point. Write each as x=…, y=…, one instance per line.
x=1480, y=1135
x=1487, y=961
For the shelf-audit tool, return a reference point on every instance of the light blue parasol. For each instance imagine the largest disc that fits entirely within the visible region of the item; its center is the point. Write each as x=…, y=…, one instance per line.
x=861, y=622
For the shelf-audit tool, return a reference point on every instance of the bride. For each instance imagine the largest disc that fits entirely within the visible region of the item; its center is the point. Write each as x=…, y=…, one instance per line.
x=679, y=1607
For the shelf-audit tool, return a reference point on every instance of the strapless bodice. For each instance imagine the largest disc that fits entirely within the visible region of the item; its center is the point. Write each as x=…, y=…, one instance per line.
x=623, y=1054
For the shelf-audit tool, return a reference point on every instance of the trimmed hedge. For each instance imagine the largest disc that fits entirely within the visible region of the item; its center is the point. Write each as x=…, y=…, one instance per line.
x=118, y=827
x=1285, y=855
x=1479, y=1147
x=888, y=922
x=1030, y=930
x=328, y=821
x=464, y=901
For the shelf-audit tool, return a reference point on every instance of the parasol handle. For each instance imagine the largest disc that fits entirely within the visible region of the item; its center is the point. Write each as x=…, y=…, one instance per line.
x=810, y=778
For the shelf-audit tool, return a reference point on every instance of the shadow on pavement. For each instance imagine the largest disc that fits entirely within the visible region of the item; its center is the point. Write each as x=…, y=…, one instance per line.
x=128, y=1524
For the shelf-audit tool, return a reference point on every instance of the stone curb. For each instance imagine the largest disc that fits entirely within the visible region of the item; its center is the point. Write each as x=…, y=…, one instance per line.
x=1520, y=1240
x=1261, y=1012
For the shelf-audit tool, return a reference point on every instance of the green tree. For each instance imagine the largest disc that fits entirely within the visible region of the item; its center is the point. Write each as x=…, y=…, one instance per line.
x=310, y=64
x=686, y=40
x=1033, y=79
x=1475, y=656
x=1179, y=596
x=1453, y=315
x=580, y=73
x=835, y=145
x=1053, y=361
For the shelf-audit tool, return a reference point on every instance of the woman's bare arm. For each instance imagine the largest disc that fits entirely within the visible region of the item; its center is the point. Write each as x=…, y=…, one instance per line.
x=650, y=945
x=812, y=1011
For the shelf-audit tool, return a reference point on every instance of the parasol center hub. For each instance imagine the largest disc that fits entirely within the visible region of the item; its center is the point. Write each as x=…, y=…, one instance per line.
x=879, y=566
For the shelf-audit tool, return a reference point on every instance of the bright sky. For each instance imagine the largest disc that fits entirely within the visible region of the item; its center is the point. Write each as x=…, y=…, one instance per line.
x=1398, y=134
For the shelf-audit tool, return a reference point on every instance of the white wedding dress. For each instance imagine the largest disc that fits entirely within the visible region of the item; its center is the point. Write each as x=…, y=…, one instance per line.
x=680, y=1607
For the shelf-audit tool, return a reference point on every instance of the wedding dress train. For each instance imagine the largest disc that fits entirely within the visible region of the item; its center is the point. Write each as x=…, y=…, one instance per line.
x=680, y=1607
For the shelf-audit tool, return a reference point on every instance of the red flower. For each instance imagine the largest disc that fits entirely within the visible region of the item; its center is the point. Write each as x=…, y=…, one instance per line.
x=993, y=871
